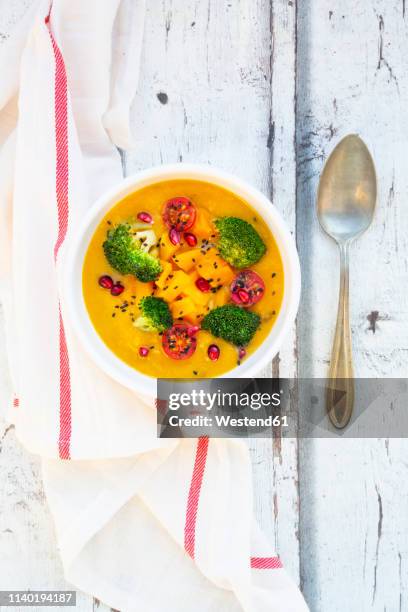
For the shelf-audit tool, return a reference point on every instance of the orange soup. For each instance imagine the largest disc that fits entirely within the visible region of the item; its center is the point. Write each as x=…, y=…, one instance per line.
x=210, y=262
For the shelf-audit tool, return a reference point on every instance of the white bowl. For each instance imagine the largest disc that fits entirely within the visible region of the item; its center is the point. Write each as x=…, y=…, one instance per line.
x=78, y=241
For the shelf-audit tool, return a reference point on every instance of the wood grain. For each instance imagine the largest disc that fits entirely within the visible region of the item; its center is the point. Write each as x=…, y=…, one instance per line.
x=354, y=534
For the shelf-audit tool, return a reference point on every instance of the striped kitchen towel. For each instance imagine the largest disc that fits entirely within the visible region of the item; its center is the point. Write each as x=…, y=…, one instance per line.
x=142, y=524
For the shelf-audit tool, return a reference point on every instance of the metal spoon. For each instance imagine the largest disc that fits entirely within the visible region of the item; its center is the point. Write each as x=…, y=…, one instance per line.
x=345, y=207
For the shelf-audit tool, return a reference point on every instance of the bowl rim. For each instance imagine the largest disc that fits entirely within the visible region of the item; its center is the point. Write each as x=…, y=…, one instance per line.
x=77, y=242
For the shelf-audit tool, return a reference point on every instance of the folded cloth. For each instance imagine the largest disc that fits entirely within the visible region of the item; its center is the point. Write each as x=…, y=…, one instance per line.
x=143, y=524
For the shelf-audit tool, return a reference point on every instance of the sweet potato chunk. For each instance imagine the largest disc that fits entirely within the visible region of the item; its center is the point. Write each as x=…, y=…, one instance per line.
x=183, y=307
x=167, y=248
x=166, y=270
x=177, y=284
x=187, y=260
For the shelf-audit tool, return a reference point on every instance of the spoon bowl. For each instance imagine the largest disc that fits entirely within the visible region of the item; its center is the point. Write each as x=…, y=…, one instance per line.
x=347, y=190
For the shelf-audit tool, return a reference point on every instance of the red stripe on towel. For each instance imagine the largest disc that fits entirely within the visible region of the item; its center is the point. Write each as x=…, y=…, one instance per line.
x=266, y=563
x=16, y=402
x=194, y=496
x=62, y=184
x=65, y=427
x=192, y=510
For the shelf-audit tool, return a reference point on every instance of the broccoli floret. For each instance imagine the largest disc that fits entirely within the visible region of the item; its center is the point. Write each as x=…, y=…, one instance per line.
x=232, y=323
x=239, y=243
x=156, y=315
x=126, y=254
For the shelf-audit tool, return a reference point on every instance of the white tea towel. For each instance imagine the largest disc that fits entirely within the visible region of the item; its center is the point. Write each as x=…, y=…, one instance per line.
x=143, y=524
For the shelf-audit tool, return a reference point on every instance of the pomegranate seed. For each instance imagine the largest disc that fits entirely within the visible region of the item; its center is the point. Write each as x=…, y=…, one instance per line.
x=117, y=289
x=202, y=284
x=174, y=236
x=193, y=330
x=143, y=351
x=106, y=282
x=243, y=296
x=191, y=239
x=213, y=352
x=241, y=353
x=145, y=217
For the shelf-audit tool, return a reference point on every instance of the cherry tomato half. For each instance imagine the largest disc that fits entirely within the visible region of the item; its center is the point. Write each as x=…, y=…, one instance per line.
x=247, y=288
x=178, y=343
x=179, y=213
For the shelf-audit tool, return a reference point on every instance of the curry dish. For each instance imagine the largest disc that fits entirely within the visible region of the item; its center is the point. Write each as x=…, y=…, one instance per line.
x=183, y=279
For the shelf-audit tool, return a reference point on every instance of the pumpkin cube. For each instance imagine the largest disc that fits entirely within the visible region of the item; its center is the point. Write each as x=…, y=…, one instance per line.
x=176, y=285
x=197, y=315
x=183, y=307
x=221, y=297
x=209, y=262
x=187, y=259
x=166, y=270
x=200, y=298
x=222, y=276
x=213, y=267
x=193, y=275
x=167, y=248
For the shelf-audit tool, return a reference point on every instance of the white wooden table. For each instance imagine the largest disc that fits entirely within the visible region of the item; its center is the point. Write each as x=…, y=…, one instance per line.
x=265, y=88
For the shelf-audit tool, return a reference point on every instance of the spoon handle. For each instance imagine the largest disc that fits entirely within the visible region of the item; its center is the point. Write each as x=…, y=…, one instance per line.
x=340, y=386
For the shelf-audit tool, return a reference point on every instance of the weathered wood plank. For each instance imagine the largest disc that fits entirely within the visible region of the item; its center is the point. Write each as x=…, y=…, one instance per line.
x=11, y=12
x=285, y=493
x=351, y=77
x=217, y=87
